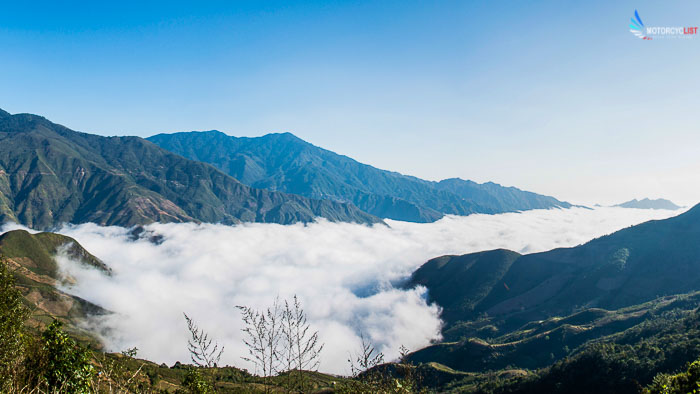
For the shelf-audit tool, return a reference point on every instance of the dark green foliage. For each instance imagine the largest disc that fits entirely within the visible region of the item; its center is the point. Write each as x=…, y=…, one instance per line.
x=623, y=362
x=286, y=163
x=399, y=377
x=122, y=373
x=195, y=383
x=681, y=383
x=537, y=344
x=12, y=316
x=66, y=364
x=51, y=175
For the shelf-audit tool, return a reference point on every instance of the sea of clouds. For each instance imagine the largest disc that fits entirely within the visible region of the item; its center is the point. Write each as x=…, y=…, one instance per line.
x=345, y=275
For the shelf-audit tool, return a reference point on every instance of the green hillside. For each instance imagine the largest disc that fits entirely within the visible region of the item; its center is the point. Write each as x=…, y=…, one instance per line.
x=538, y=344
x=458, y=283
x=31, y=258
x=286, y=163
x=625, y=268
x=624, y=362
x=606, y=316
x=51, y=175
x=599, y=351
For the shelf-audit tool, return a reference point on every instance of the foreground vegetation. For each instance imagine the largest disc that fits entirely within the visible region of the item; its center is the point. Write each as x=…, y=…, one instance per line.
x=655, y=356
x=52, y=361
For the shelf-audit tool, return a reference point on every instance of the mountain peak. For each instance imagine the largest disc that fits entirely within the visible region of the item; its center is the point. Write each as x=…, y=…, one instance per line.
x=456, y=179
x=4, y=114
x=285, y=136
x=647, y=203
x=212, y=132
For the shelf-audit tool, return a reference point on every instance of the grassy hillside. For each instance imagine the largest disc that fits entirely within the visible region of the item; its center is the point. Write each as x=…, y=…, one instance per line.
x=459, y=283
x=538, y=344
x=51, y=175
x=31, y=258
x=601, y=351
x=624, y=362
x=286, y=163
x=507, y=290
x=607, y=316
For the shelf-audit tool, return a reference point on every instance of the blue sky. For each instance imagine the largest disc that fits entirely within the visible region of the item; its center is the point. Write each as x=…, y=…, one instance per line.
x=557, y=97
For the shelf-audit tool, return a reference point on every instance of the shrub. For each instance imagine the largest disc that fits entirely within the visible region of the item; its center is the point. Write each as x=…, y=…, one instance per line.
x=65, y=364
x=12, y=317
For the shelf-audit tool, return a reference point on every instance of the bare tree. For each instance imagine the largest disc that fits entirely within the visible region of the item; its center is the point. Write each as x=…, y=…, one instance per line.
x=368, y=358
x=279, y=339
x=262, y=337
x=302, y=347
x=272, y=337
x=255, y=337
x=200, y=346
x=288, y=334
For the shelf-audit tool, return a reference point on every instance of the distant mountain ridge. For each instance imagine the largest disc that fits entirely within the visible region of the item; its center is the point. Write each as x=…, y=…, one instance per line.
x=287, y=163
x=646, y=203
x=51, y=175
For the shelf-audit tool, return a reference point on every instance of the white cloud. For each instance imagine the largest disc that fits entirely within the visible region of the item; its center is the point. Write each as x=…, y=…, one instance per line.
x=342, y=273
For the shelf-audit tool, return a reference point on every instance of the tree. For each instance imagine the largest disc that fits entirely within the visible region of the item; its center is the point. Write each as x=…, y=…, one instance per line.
x=371, y=375
x=255, y=333
x=280, y=340
x=262, y=337
x=302, y=347
x=681, y=383
x=194, y=383
x=368, y=358
x=13, y=313
x=67, y=366
x=205, y=353
x=200, y=346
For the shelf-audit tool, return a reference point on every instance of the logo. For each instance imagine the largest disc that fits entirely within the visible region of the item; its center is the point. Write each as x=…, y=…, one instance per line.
x=638, y=28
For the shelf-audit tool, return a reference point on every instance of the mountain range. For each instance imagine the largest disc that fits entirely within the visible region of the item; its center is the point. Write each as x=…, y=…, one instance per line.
x=51, y=175
x=287, y=163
